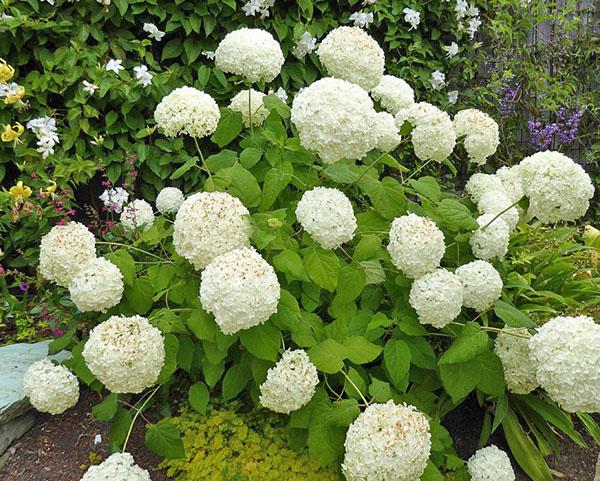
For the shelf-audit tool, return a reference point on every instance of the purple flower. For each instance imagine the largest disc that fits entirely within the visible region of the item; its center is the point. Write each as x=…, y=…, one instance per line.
x=507, y=95
x=23, y=287
x=560, y=132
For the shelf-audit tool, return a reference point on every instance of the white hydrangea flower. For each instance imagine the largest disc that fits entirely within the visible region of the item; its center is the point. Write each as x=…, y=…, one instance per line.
x=209, y=224
x=511, y=181
x=491, y=242
x=478, y=184
x=480, y=132
x=494, y=202
x=117, y=467
x=241, y=289
x=64, y=250
x=250, y=52
x=334, y=118
x=393, y=94
x=482, y=285
x=290, y=384
x=137, y=214
x=386, y=131
x=51, y=388
x=437, y=297
x=387, y=442
x=327, y=215
x=98, y=286
x=169, y=200
x=433, y=135
x=437, y=80
x=490, y=464
x=512, y=347
x=246, y=103
x=558, y=188
x=416, y=245
x=351, y=54
x=566, y=351
x=126, y=354
x=188, y=111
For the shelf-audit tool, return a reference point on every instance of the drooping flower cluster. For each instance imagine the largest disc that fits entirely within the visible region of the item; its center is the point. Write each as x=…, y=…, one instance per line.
x=327, y=215
x=566, y=351
x=387, y=441
x=138, y=214
x=490, y=464
x=209, y=224
x=97, y=286
x=480, y=132
x=490, y=241
x=394, y=94
x=126, y=354
x=560, y=132
x=241, y=289
x=482, y=285
x=416, y=245
x=117, y=467
x=290, y=384
x=46, y=132
x=512, y=347
x=51, y=388
x=188, y=111
x=437, y=297
x=251, y=106
x=169, y=200
x=250, y=52
x=64, y=250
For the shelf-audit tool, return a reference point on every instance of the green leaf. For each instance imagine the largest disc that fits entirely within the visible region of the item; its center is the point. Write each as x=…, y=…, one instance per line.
x=323, y=267
x=325, y=441
x=173, y=48
x=470, y=343
x=235, y=380
x=290, y=263
x=460, y=379
x=119, y=428
x=198, y=396
x=328, y=356
x=107, y=409
x=243, y=185
x=202, y=324
x=229, y=127
x=427, y=187
x=492, y=374
x=344, y=412
x=262, y=341
x=170, y=366
x=396, y=360
x=276, y=180
x=123, y=260
x=61, y=342
x=351, y=283
x=187, y=165
x=380, y=390
x=223, y=160
x=455, y=216
x=361, y=351
x=250, y=156
x=512, y=316
x=164, y=439
x=140, y=295
x=272, y=102
x=386, y=195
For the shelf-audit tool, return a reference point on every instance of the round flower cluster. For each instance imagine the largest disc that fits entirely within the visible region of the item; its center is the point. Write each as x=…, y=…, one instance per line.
x=494, y=202
x=349, y=53
x=209, y=224
x=566, y=351
x=479, y=184
x=416, y=245
x=387, y=441
x=437, y=297
x=126, y=354
x=386, y=132
x=241, y=289
x=480, y=132
x=558, y=188
x=64, y=250
x=137, y=214
x=490, y=240
x=250, y=52
x=98, y=286
x=245, y=103
x=393, y=94
x=169, y=200
x=512, y=347
x=117, y=467
x=490, y=464
x=290, y=384
x=188, y=111
x=433, y=135
x=334, y=118
x=50, y=388
x=482, y=285
x=327, y=215
x=511, y=181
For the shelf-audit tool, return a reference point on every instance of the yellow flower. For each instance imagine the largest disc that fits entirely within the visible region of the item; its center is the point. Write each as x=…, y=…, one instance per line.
x=6, y=71
x=20, y=192
x=52, y=187
x=14, y=97
x=12, y=133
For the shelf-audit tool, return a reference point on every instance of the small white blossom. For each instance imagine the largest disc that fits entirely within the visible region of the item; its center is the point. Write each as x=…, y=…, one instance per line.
x=413, y=17
x=306, y=45
x=153, y=31
x=45, y=130
x=252, y=7
x=142, y=75
x=451, y=50
x=453, y=97
x=114, y=199
x=280, y=93
x=114, y=65
x=461, y=9
x=362, y=19
x=209, y=54
x=89, y=87
x=437, y=80
x=473, y=26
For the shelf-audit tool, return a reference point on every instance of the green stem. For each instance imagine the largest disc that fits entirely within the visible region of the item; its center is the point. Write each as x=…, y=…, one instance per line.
x=204, y=166
x=250, y=111
x=369, y=167
x=416, y=171
x=514, y=204
x=355, y=387
x=133, y=248
x=137, y=413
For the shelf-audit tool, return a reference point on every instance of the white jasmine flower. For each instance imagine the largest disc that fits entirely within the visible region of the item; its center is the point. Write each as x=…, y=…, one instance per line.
x=473, y=11
x=362, y=19
x=490, y=464
x=306, y=45
x=45, y=130
x=393, y=94
x=114, y=65
x=252, y=7
x=451, y=50
x=413, y=17
x=512, y=347
x=492, y=241
x=245, y=103
x=453, y=97
x=98, y=286
x=117, y=467
x=473, y=26
x=290, y=384
x=142, y=75
x=480, y=133
x=437, y=297
x=241, y=289
x=209, y=55
x=437, y=80
x=169, y=200
x=114, y=199
x=462, y=6
x=482, y=285
x=280, y=93
x=137, y=214
x=153, y=31
x=89, y=87
x=51, y=388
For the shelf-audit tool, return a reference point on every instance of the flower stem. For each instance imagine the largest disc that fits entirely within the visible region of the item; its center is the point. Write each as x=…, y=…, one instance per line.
x=514, y=204
x=133, y=248
x=355, y=387
x=135, y=416
x=205, y=167
x=417, y=170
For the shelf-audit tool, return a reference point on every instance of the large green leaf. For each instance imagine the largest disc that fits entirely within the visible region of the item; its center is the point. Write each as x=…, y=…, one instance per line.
x=512, y=316
x=396, y=359
x=262, y=341
x=323, y=267
x=328, y=356
x=198, y=396
x=164, y=439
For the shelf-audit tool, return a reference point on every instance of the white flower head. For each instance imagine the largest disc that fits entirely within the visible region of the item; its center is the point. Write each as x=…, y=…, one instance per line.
x=416, y=245
x=461, y=8
x=138, y=214
x=169, y=200
x=51, y=388
x=480, y=133
x=490, y=464
x=153, y=31
x=478, y=184
x=437, y=297
x=437, y=80
x=290, y=384
x=351, y=54
x=114, y=65
x=209, y=224
x=188, y=111
x=98, y=286
x=241, y=289
x=307, y=44
x=453, y=97
x=89, y=87
x=327, y=215
x=413, y=17
x=393, y=94
x=511, y=181
x=387, y=442
x=512, y=347
x=245, y=102
x=490, y=241
x=114, y=198
x=126, y=354
x=143, y=76
x=117, y=467
x=386, y=132
x=45, y=130
x=451, y=50
x=496, y=202
x=482, y=285
x=362, y=19
x=250, y=52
